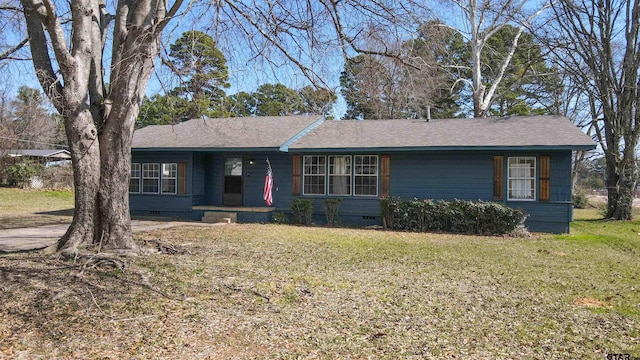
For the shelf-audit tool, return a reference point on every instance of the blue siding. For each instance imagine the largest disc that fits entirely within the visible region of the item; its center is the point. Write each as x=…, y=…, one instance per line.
x=433, y=175
x=561, y=176
x=254, y=179
x=442, y=176
x=212, y=171
x=163, y=204
x=554, y=215
x=466, y=176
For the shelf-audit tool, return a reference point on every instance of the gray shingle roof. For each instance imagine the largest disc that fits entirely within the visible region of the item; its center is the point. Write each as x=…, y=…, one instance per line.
x=225, y=133
x=273, y=132
x=51, y=153
x=526, y=131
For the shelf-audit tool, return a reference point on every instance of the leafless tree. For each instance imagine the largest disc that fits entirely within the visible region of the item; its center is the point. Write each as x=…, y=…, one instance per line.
x=577, y=103
x=482, y=19
x=68, y=39
x=31, y=122
x=99, y=123
x=598, y=44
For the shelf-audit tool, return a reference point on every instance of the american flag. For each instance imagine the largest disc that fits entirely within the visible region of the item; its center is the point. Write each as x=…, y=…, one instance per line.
x=268, y=185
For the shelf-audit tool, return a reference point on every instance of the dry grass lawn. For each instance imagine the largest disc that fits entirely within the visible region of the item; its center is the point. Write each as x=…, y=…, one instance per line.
x=276, y=291
x=286, y=292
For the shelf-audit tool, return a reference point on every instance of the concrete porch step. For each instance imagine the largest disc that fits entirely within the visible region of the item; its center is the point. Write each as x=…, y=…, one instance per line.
x=220, y=217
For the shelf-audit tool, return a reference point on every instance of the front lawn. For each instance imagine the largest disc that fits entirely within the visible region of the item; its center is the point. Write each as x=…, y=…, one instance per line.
x=24, y=208
x=277, y=291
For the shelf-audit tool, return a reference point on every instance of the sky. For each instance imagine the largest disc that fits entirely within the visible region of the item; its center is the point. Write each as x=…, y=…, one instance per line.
x=251, y=63
x=246, y=70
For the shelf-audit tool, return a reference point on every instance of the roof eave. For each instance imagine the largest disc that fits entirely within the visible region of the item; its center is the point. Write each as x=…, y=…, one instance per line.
x=208, y=149
x=448, y=148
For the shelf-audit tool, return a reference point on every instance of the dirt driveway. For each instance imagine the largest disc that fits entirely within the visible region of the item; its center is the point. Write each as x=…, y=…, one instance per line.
x=40, y=237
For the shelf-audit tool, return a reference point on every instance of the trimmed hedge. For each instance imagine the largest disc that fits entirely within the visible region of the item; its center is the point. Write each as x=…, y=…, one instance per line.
x=456, y=216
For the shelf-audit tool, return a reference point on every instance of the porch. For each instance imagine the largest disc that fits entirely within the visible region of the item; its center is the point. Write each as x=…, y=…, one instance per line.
x=230, y=214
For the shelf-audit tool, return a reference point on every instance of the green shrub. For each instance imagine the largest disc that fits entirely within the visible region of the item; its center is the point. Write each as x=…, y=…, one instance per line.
x=279, y=217
x=579, y=199
x=457, y=216
x=21, y=172
x=331, y=207
x=302, y=211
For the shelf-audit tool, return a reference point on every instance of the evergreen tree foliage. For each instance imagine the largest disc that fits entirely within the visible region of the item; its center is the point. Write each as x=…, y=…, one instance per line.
x=529, y=86
x=203, y=74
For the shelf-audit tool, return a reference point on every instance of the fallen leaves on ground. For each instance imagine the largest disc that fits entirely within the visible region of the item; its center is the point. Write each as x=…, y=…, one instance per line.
x=275, y=291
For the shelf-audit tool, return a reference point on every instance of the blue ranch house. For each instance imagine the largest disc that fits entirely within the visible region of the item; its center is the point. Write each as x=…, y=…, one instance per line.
x=215, y=168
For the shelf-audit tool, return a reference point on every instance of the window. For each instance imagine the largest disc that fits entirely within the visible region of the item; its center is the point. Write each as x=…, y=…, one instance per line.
x=169, y=178
x=343, y=175
x=340, y=175
x=134, y=181
x=314, y=174
x=366, y=175
x=522, y=178
x=150, y=178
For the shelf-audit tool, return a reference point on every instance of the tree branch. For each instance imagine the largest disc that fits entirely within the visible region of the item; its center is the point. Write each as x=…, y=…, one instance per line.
x=171, y=13
x=56, y=34
x=7, y=54
x=503, y=68
x=308, y=72
x=40, y=54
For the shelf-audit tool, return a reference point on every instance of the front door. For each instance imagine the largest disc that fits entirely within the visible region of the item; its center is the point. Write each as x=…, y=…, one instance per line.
x=232, y=195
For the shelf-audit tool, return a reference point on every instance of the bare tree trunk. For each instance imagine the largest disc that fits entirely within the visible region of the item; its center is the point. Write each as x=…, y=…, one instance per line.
x=137, y=38
x=578, y=165
x=115, y=141
x=478, y=101
x=115, y=220
x=69, y=96
x=84, y=147
x=622, y=178
x=99, y=123
x=85, y=154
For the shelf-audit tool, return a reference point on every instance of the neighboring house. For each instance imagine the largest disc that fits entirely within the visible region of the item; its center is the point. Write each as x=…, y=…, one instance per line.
x=46, y=157
x=205, y=166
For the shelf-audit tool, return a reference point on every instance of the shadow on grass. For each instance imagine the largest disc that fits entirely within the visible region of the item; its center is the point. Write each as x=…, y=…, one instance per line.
x=63, y=212
x=69, y=212
x=592, y=220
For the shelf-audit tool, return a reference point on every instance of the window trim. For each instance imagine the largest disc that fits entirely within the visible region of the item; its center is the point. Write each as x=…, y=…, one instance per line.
x=304, y=175
x=534, y=178
x=352, y=175
x=175, y=178
x=139, y=177
x=152, y=178
x=376, y=175
x=179, y=181
x=349, y=175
